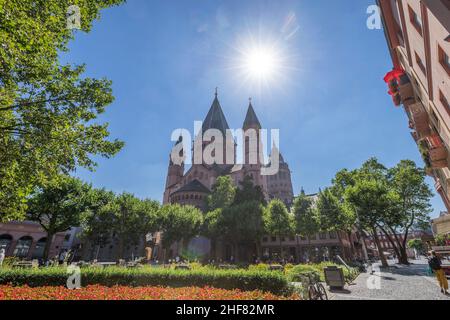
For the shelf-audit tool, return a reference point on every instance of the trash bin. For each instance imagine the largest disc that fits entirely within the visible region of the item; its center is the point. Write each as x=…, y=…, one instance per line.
x=334, y=277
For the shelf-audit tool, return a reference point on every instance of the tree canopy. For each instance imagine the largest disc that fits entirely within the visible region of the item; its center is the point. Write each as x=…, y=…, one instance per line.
x=47, y=110
x=59, y=206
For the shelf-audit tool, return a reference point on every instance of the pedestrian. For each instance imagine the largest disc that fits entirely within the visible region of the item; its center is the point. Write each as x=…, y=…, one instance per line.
x=436, y=265
x=2, y=256
x=62, y=256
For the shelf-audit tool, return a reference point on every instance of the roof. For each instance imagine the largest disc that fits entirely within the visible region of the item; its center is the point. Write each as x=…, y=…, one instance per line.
x=193, y=186
x=215, y=119
x=251, y=119
x=223, y=169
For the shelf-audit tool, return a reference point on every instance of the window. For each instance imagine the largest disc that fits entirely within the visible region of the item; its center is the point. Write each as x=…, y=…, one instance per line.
x=444, y=60
x=5, y=241
x=265, y=239
x=333, y=235
x=23, y=247
x=322, y=236
x=415, y=20
x=273, y=239
x=399, y=32
x=444, y=101
x=420, y=64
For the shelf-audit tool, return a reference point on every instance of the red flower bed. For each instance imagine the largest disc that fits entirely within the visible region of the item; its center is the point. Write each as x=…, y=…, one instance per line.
x=97, y=292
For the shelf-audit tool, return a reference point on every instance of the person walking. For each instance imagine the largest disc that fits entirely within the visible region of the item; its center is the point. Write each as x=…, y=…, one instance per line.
x=436, y=265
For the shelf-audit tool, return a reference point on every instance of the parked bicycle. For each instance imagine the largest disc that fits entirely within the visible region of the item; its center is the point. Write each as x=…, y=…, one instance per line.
x=316, y=290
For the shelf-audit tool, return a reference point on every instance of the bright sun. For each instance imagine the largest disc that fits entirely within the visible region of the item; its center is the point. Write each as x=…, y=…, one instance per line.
x=260, y=63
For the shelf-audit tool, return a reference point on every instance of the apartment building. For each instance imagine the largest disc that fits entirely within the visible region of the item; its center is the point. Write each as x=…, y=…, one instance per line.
x=418, y=37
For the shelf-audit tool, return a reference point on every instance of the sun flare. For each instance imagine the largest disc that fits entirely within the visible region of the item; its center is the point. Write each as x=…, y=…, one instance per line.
x=261, y=63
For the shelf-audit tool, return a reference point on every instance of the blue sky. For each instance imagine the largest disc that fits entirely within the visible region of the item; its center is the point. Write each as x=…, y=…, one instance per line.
x=166, y=57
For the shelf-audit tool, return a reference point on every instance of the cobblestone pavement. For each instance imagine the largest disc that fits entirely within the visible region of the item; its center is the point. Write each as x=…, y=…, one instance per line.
x=395, y=283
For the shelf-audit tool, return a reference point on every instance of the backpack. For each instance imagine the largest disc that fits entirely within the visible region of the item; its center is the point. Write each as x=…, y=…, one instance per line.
x=434, y=263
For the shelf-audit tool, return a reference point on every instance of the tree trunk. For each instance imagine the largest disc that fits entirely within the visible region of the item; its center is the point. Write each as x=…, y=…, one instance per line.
x=281, y=250
x=297, y=258
x=213, y=250
x=309, y=249
x=120, y=249
x=396, y=248
x=48, y=245
x=403, y=258
x=380, y=249
x=342, y=245
x=352, y=245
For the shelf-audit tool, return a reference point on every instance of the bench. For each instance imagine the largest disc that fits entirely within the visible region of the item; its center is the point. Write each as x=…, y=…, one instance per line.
x=26, y=264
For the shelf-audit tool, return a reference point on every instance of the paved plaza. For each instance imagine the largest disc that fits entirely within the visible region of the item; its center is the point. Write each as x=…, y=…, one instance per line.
x=398, y=282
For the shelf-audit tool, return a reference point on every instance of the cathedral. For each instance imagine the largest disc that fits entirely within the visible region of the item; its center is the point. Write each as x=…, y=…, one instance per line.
x=192, y=186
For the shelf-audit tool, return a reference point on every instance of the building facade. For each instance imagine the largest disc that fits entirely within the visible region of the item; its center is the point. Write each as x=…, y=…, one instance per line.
x=26, y=240
x=441, y=225
x=418, y=37
x=193, y=186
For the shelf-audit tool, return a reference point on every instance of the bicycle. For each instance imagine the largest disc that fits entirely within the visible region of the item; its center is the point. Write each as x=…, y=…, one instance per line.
x=316, y=290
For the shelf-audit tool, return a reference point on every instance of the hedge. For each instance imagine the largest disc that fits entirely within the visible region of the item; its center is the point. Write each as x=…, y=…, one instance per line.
x=273, y=282
x=298, y=271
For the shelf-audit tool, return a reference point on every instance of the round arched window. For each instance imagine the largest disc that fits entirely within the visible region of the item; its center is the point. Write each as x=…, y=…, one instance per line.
x=38, y=251
x=23, y=247
x=5, y=241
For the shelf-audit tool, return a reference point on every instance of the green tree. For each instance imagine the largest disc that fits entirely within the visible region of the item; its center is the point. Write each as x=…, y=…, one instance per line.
x=248, y=192
x=442, y=240
x=413, y=207
x=372, y=200
x=333, y=215
x=59, y=206
x=279, y=221
x=96, y=222
x=223, y=193
x=47, y=110
x=123, y=218
x=212, y=229
x=179, y=223
x=243, y=226
x=416, y=244
x=306, y=221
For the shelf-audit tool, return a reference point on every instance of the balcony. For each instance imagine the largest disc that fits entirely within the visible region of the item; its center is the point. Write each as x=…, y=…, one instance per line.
x=419, y=119
x=437, y=151
x=406, y=92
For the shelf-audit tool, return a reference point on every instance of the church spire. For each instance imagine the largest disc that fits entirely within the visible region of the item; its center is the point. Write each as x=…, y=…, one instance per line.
x=251, y=120
x=215, y=119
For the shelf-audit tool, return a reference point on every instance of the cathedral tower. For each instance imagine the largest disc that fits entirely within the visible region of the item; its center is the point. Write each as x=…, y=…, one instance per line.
x=175, y=172
x=253, y=148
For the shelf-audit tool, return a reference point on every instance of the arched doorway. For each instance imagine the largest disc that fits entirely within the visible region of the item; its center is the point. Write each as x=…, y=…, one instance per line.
x=23, y=247
x=38, y=251
x=5, y=242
